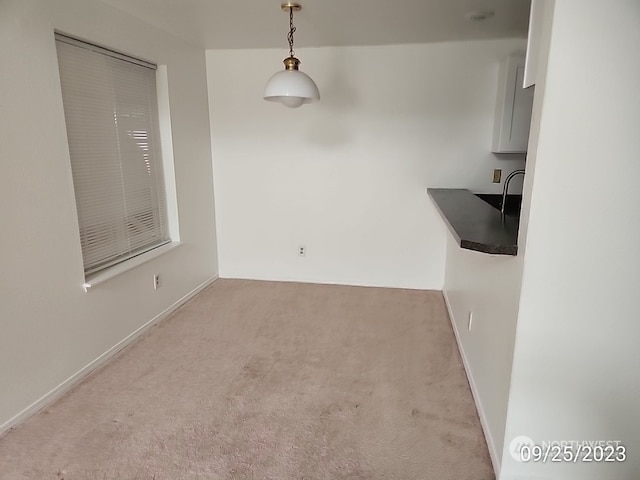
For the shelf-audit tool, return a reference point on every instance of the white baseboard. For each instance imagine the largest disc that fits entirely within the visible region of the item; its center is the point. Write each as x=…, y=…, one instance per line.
x=76, y=378
x=493, y=452
x=316, y=281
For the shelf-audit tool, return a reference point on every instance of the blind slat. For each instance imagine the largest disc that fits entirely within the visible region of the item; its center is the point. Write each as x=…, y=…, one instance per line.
x=111, y=113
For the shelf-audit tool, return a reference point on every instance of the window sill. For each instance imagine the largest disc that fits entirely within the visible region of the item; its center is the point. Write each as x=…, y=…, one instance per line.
x=109, y=273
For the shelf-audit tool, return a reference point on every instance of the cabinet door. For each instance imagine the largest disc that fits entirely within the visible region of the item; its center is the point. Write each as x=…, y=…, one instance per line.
x=513, y=108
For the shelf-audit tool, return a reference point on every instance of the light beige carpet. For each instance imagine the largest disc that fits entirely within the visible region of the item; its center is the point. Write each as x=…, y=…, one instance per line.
x=266, y=380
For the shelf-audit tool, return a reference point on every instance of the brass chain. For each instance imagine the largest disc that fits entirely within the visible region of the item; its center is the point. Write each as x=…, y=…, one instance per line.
x=292, y=29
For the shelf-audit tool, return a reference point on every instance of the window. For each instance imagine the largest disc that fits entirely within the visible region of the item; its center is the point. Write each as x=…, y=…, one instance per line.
x=111, y=113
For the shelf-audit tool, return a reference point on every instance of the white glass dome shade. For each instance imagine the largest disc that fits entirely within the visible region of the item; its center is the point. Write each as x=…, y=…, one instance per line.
x=291, y=87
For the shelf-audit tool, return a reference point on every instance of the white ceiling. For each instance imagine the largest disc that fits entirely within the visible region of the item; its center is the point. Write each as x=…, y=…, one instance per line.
x=262, y=24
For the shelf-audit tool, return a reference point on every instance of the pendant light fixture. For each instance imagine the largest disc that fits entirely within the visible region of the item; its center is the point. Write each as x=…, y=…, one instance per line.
x=291, y=87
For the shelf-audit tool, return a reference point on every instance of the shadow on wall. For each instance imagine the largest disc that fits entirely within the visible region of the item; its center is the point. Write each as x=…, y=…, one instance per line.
x=337, y=97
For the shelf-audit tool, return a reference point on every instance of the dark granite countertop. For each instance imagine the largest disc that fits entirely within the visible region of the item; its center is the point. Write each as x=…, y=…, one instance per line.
x=475, y=224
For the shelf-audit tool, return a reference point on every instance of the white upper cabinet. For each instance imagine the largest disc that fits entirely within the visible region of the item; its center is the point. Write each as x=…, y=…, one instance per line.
x=536, y=22
x=513, y=108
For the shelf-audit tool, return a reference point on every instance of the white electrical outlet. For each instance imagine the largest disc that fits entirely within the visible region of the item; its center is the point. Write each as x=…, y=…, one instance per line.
x=302, y=251
x=470, y=320
x=156, y=281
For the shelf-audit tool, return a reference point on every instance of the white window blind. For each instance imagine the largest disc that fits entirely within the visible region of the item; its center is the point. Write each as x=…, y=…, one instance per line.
x=111, y=112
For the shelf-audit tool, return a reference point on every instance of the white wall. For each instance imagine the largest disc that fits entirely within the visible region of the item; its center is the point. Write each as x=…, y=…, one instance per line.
x=575, y=373
x=347, y=177
x=50, y=329
x=488, y=286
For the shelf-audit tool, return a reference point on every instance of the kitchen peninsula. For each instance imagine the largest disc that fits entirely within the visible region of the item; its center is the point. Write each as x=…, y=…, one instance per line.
x=475, y=224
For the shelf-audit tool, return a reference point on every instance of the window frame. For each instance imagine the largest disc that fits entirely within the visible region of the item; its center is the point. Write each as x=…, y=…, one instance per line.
x=163, y=165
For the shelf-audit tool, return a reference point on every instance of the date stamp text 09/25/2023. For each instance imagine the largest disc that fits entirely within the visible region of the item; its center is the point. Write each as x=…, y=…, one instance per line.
x=524, y=449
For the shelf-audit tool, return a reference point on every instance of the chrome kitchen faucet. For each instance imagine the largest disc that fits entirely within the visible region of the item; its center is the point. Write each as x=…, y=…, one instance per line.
x=505, y=190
